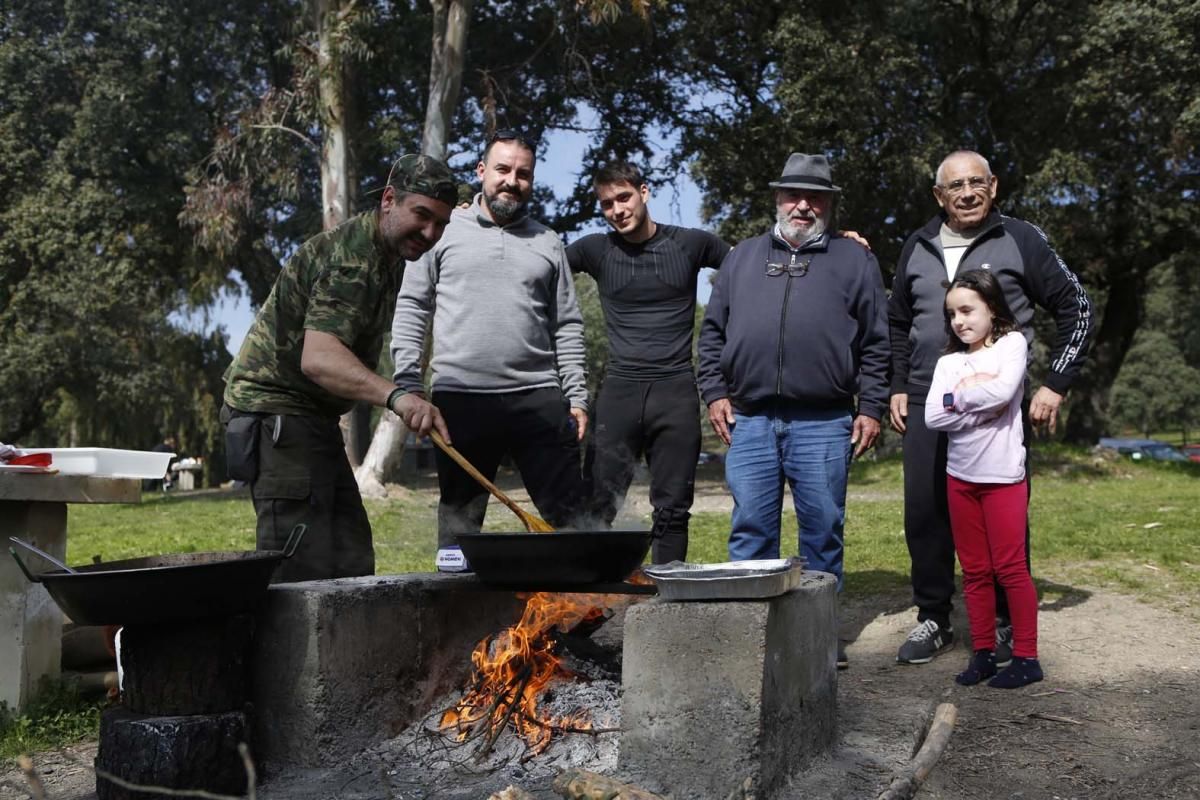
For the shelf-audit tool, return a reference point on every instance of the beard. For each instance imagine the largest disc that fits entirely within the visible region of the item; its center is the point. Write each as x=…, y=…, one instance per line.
x=414, y=246
x=799, y=227
x=502, y=208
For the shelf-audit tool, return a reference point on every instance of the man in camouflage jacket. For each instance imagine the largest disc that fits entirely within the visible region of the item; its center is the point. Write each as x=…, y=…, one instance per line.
x=310, y=355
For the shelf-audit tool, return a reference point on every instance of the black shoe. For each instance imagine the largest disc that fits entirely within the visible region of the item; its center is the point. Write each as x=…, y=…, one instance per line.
x=1021, y=672
x=981, y=666
x=842, y=661
x=925, y=641
x=1003, y=643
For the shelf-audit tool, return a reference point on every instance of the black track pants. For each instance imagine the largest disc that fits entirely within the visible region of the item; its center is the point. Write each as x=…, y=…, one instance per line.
x=659, y=420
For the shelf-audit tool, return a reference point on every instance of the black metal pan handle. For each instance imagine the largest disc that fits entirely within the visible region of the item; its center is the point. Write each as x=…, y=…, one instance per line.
x=38, y=551
x=293, y=540
x=21, y=564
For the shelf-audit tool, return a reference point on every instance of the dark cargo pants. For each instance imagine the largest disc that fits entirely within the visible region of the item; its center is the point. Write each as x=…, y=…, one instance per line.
x=304, y=477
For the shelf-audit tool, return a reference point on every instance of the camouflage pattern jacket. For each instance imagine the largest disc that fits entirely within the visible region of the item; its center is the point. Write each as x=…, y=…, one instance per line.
x=339, y=283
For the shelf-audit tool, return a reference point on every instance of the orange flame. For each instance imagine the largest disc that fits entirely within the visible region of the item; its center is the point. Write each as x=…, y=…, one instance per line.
x=513, y=667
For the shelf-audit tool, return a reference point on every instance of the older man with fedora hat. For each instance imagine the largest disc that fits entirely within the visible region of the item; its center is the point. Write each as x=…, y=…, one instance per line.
x=793, y=366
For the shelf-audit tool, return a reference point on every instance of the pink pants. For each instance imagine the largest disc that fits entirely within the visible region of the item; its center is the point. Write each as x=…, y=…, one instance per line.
x=988, y=524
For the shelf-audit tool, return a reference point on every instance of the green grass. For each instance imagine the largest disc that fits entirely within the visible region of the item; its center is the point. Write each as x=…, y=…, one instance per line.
x=58, y=716
x=1108, y=522
x=1097, y=521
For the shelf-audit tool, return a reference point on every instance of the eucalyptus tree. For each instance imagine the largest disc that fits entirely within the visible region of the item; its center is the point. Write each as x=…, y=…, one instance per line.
x=104, y=106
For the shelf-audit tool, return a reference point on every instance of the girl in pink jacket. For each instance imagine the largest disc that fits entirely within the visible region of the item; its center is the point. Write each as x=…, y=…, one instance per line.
x=980, y=384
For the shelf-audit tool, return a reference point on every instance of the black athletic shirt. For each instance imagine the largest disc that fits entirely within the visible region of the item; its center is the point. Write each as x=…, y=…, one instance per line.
x=648, y=293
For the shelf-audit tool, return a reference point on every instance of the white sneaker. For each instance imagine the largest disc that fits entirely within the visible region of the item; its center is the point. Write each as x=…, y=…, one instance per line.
x=451, y=559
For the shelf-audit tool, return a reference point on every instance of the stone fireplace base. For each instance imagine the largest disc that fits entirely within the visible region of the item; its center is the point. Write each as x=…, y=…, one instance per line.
x=722, y=695
x=341, y=665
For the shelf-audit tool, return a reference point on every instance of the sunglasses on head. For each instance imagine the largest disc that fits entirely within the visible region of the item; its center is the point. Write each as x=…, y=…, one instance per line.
x=511, y=135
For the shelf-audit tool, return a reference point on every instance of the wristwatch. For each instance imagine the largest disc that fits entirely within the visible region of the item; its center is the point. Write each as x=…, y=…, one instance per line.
x=948, y=401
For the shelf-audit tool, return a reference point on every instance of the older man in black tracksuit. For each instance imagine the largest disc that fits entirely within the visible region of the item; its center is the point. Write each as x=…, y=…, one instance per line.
x=794, y=333
x=968, y=234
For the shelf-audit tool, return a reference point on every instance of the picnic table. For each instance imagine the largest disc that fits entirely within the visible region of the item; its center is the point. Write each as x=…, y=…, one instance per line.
x=33, y=507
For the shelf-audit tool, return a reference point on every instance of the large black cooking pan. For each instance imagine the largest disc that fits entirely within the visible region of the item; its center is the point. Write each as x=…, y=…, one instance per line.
x=141, y=591
x=562, y=559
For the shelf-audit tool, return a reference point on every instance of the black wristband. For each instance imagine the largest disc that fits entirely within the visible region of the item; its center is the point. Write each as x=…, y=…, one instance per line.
x=397, y=392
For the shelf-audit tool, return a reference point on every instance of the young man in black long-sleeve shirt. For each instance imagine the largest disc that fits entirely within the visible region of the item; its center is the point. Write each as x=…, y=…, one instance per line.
x=647, y=406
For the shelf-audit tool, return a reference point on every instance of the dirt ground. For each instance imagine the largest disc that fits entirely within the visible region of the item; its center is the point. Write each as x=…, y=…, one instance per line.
x=1118, y=715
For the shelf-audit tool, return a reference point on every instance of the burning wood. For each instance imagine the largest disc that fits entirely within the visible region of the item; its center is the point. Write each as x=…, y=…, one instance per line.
x=513, y=668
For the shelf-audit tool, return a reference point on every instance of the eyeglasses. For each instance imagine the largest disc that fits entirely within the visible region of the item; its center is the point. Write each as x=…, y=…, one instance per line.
x=793, y=269
x=973, y=184
x=511, y=135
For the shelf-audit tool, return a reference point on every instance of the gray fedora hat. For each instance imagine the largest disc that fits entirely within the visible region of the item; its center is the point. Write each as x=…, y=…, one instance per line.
x=803, y=171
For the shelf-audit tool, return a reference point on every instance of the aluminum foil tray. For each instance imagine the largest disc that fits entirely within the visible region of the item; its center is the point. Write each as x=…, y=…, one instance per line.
x=729, y=580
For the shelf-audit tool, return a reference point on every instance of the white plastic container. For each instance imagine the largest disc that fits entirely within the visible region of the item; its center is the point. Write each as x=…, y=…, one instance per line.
x=107, y=462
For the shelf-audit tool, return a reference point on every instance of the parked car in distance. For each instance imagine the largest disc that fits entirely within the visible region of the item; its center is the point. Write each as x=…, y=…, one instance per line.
x=1137, y=449
x=1192, y=451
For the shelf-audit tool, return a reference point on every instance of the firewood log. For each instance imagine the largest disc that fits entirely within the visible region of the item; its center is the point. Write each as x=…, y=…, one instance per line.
x=579, y=784
x=909, y=780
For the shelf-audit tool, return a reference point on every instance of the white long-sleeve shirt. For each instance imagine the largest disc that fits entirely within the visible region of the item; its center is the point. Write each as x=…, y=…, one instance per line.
x=986, y=442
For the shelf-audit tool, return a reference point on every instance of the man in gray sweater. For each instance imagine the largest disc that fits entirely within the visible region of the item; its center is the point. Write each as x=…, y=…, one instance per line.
x=508, y=352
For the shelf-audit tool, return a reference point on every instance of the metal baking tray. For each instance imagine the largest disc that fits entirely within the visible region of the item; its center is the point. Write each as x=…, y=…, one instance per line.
x=729, y=580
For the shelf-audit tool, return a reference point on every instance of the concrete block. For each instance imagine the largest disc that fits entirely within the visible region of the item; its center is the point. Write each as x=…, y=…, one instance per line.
x=30, y=621
x=718, y=693
x=340, y=665
x=33, y=488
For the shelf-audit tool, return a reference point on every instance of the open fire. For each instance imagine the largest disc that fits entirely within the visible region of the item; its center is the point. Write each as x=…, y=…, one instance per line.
x=514, y=667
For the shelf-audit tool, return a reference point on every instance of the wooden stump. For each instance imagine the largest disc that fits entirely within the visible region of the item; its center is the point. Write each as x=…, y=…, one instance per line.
x=196, y=667
x=181, y=752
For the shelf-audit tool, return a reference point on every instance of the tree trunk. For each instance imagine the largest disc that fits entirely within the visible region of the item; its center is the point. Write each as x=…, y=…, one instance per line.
x=180, y=668
x=451, y=21
x=385, y=452
x=337, y=171
x=1125, y=274
x=197, y=751
x=337, y=184
x=1121, y=317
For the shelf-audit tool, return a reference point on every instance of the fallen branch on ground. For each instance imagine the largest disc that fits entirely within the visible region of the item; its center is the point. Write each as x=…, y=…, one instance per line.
x=906, y=783
x=1055, y=718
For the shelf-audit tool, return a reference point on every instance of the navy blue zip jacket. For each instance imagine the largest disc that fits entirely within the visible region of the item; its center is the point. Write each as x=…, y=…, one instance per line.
x=815, y=339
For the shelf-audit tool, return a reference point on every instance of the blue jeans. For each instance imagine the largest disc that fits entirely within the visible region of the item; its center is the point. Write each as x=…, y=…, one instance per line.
x=811, y=451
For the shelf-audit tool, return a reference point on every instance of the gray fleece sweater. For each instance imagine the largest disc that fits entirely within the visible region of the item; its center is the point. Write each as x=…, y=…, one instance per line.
x=502, y=301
